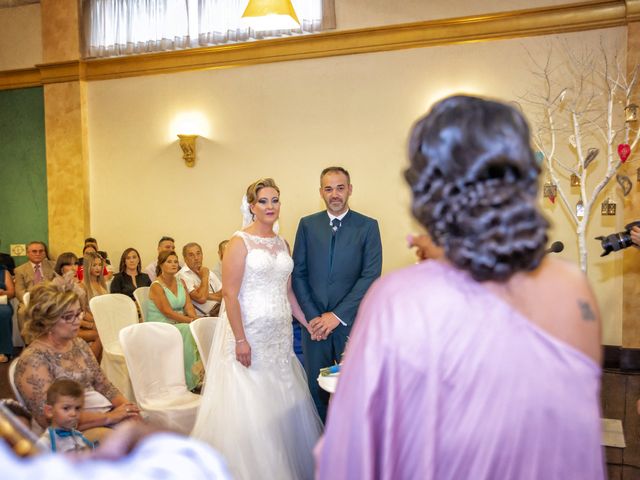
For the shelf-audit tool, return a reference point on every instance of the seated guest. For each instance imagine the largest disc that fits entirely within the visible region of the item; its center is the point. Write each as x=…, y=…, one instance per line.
x=7, y=292
x=94, y=285
x=91, y=248
x=482, y=363
x=166, y=244
x=67, y=269
x=8, y=262
x=169, y=303
x=35, y=271
x=67, y=262
x=102, y=253
x=55, y=351
x=129, y=276
x=64, y=404
x=218, y=268
x=205, y=289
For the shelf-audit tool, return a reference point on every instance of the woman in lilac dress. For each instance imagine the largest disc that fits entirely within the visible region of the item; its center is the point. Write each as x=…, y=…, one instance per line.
x=483, y=363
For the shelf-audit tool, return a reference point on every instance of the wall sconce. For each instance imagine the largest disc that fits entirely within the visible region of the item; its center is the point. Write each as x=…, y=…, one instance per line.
x=262, y=15
x=631, y=113
x=188, y=146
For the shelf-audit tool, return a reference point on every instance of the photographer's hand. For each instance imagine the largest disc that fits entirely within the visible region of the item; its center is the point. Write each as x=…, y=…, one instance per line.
x=635, y=236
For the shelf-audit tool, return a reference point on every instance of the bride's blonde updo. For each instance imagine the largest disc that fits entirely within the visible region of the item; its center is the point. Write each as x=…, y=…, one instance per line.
x=255, y=187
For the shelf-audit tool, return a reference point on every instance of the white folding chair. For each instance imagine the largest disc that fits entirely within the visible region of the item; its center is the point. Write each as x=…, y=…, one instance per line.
x=12, y=381
x=141, y=294
x=112, y=312
x=202, y=330
x=154, y=355
x=35, y=426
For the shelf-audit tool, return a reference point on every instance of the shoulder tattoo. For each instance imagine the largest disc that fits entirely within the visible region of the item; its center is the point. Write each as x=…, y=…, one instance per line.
x=586, y=311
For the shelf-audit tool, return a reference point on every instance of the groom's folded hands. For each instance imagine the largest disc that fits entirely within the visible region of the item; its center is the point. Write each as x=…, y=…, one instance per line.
x=323, y=325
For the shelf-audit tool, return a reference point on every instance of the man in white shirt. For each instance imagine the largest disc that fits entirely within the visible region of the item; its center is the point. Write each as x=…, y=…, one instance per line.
x=165, y=243
x=205, y=289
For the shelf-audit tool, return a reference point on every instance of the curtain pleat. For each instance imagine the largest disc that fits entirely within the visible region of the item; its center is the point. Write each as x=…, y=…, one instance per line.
x=128, y=27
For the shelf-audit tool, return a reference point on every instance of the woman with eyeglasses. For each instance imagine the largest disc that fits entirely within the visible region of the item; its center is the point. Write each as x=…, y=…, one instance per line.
x=55, y=350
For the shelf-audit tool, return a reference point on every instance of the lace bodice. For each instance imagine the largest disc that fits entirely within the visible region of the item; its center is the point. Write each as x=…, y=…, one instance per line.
x=266, y=312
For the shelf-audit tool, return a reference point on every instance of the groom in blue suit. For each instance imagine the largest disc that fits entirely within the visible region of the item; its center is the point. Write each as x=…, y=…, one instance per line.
x=337, y=256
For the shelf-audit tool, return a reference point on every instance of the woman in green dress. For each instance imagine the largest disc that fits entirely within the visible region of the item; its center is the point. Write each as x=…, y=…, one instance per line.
x=169, y=303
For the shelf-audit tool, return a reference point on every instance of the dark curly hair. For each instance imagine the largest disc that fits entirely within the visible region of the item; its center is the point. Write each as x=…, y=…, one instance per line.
x=474, y=180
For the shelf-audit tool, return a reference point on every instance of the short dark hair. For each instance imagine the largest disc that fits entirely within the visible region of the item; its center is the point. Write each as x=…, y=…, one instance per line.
x=89, y=245
x=166, y=239
x=90, y=240
x=64, y=387
x=188, y=246
x=336, y=170
x=64, y=259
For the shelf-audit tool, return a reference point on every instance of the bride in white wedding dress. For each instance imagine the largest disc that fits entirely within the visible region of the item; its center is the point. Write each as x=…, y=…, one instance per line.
x=256, y=408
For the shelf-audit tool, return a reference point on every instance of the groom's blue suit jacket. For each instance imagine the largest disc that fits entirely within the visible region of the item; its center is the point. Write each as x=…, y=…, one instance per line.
x=326, y=281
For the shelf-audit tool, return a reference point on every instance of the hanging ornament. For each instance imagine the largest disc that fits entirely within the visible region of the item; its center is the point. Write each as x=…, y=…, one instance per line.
x=550, y=191
x=624, y=150
x=608, y=207
x=539, y=157
x=579, y=209
x=625, y=183
x=575, y=180
x=592, y=153
x=572, y=140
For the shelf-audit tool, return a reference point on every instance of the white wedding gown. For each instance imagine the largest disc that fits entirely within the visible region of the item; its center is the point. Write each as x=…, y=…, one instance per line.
x=262, y=418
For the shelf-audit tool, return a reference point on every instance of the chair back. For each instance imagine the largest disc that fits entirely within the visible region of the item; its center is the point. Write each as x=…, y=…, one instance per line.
x=12, y=381
x=112, y=312
x=155, y=359
x=202, y=330
x=141, y=294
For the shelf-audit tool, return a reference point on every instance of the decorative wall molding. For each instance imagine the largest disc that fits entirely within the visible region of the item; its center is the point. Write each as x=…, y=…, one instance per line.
x=496, y=26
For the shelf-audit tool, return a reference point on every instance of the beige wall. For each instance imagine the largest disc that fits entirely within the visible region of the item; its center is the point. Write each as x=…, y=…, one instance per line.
x=20, y=37
x=372, y=13
x=289, y=120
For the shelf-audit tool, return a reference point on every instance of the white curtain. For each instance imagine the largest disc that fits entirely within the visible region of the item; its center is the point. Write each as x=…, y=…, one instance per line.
x=126, y=27
x=218, y=21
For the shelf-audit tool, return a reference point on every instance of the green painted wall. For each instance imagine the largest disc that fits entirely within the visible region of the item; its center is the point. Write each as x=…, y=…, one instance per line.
x=23, y=168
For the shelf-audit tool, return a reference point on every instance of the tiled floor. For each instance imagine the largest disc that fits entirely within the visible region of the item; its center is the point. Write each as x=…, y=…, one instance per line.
x=619, y=395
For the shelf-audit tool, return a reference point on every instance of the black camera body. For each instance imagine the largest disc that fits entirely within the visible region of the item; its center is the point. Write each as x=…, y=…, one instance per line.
x=617, y=241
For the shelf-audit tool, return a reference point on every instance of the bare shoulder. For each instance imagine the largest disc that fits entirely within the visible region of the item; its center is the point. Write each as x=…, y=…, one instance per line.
x=566, y=278
x=570, y=302
x=236, y=245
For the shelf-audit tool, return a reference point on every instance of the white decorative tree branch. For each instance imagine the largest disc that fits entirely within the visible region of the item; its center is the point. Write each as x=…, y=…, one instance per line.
x=583, y=100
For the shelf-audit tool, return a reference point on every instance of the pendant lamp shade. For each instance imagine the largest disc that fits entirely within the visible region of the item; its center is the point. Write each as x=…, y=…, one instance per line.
x=261, y=15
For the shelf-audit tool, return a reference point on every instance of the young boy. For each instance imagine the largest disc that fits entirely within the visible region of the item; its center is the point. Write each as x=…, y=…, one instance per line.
x=64, y=403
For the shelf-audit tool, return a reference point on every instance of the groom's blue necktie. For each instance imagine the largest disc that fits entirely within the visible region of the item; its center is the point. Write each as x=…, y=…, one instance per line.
x=335, y=225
